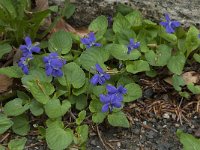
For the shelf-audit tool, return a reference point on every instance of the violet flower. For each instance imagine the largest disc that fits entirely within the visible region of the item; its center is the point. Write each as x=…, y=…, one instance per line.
x=90, y=40
x=132, y=45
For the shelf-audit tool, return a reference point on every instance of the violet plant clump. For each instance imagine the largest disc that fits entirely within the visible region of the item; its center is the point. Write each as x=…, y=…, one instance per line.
x=90, y=40
x=58, y=91
x=100, y=77
x=23, y=63
x=27, y=55
x=170, y=25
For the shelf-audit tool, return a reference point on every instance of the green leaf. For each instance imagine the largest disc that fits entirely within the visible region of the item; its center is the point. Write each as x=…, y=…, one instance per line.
x=13, y=71
x=133, y=92
x=169, y=37
x=176, y=63
x=54, y=109
x=58, y=138
x=17, y=144
x=181, y=45
x=41, y=90
x=98, y=117
x=95, y=105
x=124, y=36
x=120, y=52
x=124, y=9
x=15, y=107
x=195, y=89
x=81, y=90
x=177, y=81
x=60, y=42
x=137, y=66
x=97, y=90
x=189, y=142
x=192, y=40
x=118, y=119
x=36, y=75
x=4, y=48
x=81, y=117
x=196, y=57
x=68, y=10
x=5, y=123
x=184, y=94
x=81, y=101
x=160, y=57
x=82, y=134
x=93, y=56
x=134, y=18
x=21, y=125
x=73, y=75
x=120, y=23
x=9, y=7
x=36, y=108
x=99, y=26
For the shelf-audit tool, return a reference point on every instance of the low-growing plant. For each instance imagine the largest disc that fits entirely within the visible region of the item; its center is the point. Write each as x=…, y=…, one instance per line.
x=93, y=80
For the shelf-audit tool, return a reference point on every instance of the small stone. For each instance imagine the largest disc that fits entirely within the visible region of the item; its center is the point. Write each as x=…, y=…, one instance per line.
x=177, y=125
x=174, y=116
x=118, y=144
x=164, y=126
x=166, y=116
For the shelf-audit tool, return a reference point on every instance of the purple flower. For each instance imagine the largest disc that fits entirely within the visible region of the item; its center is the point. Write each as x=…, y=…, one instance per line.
x=132, y=45
x=110, y=21
x=100, y=77
x=53, y=65
x=90, y=40
x=113, y=98
x=29, y=48
x=169, y=24
x=23, y=63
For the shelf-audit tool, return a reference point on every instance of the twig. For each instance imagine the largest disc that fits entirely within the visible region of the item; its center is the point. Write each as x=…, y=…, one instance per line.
x=99, y=135
x=72, y=115
x=34, y=144
x=4, y=137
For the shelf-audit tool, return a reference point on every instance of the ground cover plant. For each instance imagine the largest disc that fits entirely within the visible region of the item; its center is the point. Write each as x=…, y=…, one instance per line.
x=67, y=80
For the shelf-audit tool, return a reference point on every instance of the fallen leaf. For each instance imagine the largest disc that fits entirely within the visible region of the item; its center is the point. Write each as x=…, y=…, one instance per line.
x=188, y=77
x=5, y=83
x=62, y=25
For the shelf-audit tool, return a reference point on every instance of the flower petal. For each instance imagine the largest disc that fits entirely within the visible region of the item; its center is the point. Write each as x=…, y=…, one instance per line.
x=111, y=89
x=28, y=41
x=167, y=17
x=35, y=49
x=175, y=24
x=105, y=108
x=95, y=79
x=99, y=69
x=104, y=98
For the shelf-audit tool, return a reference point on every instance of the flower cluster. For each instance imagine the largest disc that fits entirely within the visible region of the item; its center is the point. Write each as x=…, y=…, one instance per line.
x=169, y=24
x=90, y=40
x=23, y=63
x=53, y=65
x=100, y=77
x=113, y=98
x=132, y=45
x=27, y=51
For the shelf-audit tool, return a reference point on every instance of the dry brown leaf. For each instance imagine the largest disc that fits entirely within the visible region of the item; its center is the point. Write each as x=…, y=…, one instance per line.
x=191, y=77
x=5, y=83
x=62, y=25
x=188, y=77
x=43, y=5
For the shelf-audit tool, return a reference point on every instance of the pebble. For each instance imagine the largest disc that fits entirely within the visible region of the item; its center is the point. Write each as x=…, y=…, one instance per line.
x=166, y=116
x=177, y=125
x=118, y=144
